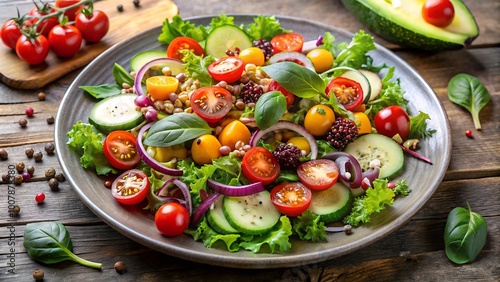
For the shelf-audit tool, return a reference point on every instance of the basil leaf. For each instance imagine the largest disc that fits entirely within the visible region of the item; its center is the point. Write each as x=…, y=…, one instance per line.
x=301, y=81
x=464, y=235
x=49, y=242
x=121, y=75
x=176, y=129
x=269, y=108
x=102, y=91
x=468, y=92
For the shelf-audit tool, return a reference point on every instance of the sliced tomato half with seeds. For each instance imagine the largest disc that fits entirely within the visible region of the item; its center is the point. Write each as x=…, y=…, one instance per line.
x=131, y=187
x=211, y=103
x=120, y=149
x=260, y=165
x=348, y=92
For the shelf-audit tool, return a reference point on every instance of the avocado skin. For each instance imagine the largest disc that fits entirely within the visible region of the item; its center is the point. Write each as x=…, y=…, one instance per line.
x=395, y=33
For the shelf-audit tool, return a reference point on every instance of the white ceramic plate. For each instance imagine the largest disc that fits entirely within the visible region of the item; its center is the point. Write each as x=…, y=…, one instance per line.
x=138, y=225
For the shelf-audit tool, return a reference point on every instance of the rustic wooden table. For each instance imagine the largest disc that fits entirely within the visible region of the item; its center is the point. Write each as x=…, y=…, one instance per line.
x=414, y=252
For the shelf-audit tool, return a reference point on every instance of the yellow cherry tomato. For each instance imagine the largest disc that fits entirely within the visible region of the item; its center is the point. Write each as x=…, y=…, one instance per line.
x=301, y=143
x=165, y=154
x=205, y=148
x=319, y=120
x=233, y=132
x=160, y=86
x=321, y=59
x=363, y=122
x=252, y=55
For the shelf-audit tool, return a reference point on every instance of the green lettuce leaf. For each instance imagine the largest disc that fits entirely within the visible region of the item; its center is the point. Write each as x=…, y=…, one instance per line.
x=264, y=27
x=278, y=237
x=309, y=227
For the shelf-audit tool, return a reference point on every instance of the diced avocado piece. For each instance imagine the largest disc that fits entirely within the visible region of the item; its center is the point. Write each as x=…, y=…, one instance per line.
x=401, y=22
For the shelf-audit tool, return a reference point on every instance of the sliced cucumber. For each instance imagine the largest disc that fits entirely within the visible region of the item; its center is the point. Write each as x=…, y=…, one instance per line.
x=226, y=37
x=370, y=82
x=217, y=220
x=140, y=59
x=115, y=112
x=332, y=204
x=373, y=146
x=253, y=215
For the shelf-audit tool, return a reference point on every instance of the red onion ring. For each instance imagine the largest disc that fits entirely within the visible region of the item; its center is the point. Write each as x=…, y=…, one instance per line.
x=203, y=207
x=184, y=189
x=350, y=169
x=237, y=191
x=174, y=64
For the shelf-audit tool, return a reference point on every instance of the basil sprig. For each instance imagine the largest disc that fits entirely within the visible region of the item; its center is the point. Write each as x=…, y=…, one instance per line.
x=269, y=109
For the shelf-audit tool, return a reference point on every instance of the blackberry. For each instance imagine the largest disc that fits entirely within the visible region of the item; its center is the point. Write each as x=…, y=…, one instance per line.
x=288, y=156
x=251, y=92
x=343, y=132
x=265, y=46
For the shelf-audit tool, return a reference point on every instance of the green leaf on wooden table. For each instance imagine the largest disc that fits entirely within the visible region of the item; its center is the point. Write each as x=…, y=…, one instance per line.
x=102, y=91
x=176, y=129
x=269, y=109
x=468, y=92
x=49, y=242
x=464, y=235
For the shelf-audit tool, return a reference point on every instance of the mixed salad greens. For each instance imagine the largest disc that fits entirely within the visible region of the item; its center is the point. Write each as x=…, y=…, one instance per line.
x=247, y=135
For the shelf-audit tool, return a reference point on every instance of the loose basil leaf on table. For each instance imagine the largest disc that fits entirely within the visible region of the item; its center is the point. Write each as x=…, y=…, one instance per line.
x=468, y=92
x=269, y=108
x=464, y=235
x=49, y=242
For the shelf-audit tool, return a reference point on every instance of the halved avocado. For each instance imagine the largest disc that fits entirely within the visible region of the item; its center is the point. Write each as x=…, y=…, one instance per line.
x=402, y=23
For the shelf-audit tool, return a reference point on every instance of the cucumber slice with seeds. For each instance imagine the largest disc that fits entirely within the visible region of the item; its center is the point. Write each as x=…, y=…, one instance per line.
x=115, y=112
x=217, y=220
x=373, y=146
x=332, y=204
x=226, y=37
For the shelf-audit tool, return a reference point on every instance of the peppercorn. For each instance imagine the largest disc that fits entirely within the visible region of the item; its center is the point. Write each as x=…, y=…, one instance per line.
x=54, y=184
x=29, y=152
x=15, y=210
x=60, y=177
x=108, y=184
x=137, y=3
x=5, y=177
x=50, y=120
x=468, y=133
x=20, y=167
x=50, y=148
x=18, y=179
x=119, y=7
x=3, y=154
x=41, y=96
x=119, y=266
x=38, y=274
x=23, y=122
x=29, y=111
x=39, y=198
x=26, y=176
x=347, y=229
x=50, y=173
x=31, y=170
x=38, y=156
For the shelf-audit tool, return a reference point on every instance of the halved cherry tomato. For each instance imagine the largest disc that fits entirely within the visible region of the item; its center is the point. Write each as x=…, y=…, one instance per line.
x=349, y=93
x=120, y=149
x=184, y=43
x=228, y=69
x=438, y=12
x=392, y=120
x=318, y=174
x=291, y=199
x=172, y=219
x=161, y=86
x=131, y=187
x=275, y=86
x=287, y=42
x=211, y=103
x=260, y=165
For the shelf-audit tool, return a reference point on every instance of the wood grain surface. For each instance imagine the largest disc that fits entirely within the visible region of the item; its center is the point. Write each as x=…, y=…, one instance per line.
x=18, y=74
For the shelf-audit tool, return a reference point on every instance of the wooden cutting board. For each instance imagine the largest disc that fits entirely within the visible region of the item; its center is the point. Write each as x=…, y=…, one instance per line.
x=151, y=13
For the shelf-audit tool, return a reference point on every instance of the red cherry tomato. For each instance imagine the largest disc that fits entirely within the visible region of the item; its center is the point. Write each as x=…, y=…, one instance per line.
x=33, y=51
x=130, y=187
x=184, y=43
x=172, y=219
x=275, y=86
x=46, y=25
x=349, y=93
x=392, y=120
x=92, y=24
x=291, y=199
x=10, y=33
x=211, y=103
x=318, y=174
x=438, y=12
x=71, y=14
x=65, y=40
x=260, y=165
x=287, y=42
x=228, y=69
x=120, y=149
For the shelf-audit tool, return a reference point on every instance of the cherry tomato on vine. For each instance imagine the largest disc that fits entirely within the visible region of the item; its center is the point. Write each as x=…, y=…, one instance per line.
x=291, y=199
x=32, y=51
x=71, y=14
x=349, y=93
x=172, y=219
x=184, y=43
x=392, y=120
x=275, y=86
x=65, y=40
x=93, y=24
x=318, y=174
x=438, y=12
x=120, y=149
x=10, y=33
x=46, y=25
x=130, y=187
x=260, y=165
x=228, y=69
x=287, y=42
x=211, y=103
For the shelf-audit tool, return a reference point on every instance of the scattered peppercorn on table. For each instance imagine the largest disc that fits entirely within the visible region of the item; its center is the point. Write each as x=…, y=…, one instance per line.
x=413, y=252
